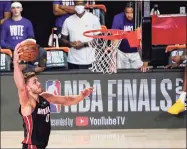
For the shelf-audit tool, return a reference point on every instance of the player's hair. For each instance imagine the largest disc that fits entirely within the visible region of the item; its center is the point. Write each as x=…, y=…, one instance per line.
x=129, y=5
x=28, y=75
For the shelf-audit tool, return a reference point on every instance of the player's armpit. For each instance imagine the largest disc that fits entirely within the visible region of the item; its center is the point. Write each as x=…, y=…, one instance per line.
x=26, y=110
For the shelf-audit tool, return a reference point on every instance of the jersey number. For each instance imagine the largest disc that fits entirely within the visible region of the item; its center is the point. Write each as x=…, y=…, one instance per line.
x=47, y=118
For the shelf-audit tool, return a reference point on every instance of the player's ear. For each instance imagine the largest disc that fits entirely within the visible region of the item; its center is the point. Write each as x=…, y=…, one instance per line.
x=28, y=88
x=21, y=9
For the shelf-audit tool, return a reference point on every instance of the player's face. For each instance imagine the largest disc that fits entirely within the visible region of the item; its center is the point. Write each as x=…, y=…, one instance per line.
x=16, y=11
x=34, y=86
x=129, y=13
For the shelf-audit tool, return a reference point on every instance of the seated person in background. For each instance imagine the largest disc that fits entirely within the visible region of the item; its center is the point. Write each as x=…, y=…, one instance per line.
x=127, y=57
x=4, y=11
x=179, y=106
x=16, y=30
x=62, y=9
x=178, y=52
x=80, y=55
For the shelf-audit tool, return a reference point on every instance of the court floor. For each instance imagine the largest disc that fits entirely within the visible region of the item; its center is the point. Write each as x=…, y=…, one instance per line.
x=120, y=138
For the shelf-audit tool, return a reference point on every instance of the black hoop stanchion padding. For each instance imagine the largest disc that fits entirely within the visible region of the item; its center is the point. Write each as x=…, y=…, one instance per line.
x=146, y=39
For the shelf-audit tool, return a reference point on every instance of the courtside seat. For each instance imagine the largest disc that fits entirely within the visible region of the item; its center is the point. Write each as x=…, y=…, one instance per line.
x=56, y=57
x=6, y=60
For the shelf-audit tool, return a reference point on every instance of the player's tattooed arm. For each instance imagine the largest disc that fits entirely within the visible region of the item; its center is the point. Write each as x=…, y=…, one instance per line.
x=67, y=100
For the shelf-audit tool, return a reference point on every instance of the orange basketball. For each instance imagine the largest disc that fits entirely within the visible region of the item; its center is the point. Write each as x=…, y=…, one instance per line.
x=29, y=50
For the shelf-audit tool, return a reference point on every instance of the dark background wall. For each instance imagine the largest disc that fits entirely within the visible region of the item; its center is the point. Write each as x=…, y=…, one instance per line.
x=41, y=14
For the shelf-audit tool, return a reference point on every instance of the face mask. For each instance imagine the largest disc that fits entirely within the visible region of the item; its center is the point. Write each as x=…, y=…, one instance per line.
x=79, y=9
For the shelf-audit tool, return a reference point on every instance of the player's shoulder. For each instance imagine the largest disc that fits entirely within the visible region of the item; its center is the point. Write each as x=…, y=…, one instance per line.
x=26, y=20
x=119, y=15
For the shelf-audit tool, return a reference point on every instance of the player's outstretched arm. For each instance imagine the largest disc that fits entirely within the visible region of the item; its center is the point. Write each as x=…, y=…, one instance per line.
x=67, y=100
x=18, y=76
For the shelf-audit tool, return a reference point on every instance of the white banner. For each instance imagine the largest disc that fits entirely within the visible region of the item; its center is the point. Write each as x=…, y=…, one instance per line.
x=56, y=59
x=3, y=63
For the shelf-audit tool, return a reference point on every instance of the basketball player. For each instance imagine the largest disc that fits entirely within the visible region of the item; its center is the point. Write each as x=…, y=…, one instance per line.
x=179, y=106
x=35, y=105
x=128, y=58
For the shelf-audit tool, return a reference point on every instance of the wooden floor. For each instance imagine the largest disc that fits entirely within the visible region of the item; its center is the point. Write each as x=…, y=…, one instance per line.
x=139, y=138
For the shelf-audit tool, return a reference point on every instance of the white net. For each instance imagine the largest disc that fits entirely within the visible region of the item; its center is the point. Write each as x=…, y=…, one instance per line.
x=105, y=54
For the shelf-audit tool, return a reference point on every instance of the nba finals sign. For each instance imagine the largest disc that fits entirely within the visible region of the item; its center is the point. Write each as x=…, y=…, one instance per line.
x=115, y=102
x=126, y=100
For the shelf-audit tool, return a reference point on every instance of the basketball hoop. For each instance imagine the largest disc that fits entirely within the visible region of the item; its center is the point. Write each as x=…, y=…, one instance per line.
x=105, y=43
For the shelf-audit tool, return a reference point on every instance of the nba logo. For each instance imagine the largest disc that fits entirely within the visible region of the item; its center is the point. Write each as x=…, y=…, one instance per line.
x=54, y=87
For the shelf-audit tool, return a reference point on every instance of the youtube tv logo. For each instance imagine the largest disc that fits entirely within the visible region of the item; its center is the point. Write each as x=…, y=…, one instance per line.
x=81, y=121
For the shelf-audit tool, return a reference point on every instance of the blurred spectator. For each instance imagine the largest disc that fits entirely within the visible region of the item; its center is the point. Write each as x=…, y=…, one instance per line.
x=179, y=106
x=5, y=12
x=18, y=29
x=80, y=55
x=127, y=57
x=62, y=9
x=178, y=52
x=154, y=10
x=15, y=29
x=90, y=2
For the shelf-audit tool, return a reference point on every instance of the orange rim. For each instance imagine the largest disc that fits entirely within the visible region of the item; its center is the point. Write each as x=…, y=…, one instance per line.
x=114, y=34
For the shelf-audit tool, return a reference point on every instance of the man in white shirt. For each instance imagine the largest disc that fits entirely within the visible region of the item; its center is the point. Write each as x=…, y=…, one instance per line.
x=80, y=55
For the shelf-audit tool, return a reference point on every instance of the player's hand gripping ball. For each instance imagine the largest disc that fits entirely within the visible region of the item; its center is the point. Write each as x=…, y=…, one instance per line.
x=29, y=48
